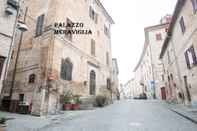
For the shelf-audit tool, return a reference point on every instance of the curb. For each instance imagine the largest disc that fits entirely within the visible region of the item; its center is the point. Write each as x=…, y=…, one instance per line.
x=185, y=116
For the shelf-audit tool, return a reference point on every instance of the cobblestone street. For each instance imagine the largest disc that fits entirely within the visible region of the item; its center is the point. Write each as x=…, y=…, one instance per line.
x=127, y=115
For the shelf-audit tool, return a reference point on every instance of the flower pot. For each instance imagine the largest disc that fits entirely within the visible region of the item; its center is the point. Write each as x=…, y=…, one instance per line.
x=67, y=106
x=75, y=106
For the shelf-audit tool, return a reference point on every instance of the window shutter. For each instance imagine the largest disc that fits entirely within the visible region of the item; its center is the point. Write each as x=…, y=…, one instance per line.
x=96, y=18
x=39, y=25
x=192, y=50
x=158, y=37
x=194, y=3
x=2, y=59
x=182, y=24
x=107, y=58
x=187, y=60
x=62, y=70
x=90, y=12
x=92, y=47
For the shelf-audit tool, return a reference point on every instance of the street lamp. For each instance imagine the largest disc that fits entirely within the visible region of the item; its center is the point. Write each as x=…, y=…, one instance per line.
x=22, y=26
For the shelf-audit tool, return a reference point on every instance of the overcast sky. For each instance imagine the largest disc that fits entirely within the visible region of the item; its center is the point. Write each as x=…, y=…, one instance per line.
x=131, y=16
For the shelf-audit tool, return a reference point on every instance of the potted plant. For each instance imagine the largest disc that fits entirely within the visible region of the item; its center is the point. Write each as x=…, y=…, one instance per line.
x=77, y=102
x=67, y=101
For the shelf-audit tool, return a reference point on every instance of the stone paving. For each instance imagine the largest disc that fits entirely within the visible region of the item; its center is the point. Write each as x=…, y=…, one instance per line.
x=20, y=122
x=130, y=115
x=188, y=112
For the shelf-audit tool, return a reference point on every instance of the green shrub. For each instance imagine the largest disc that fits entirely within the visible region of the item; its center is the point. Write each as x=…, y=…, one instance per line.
x=2, y=120
x=68, y=97
x=101, y=100
x=76, y=99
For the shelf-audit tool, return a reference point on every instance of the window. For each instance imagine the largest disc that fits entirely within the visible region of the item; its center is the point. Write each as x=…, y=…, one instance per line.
x=162, y=77
x=168, y=54
x=166, y=30
x=93, y=15
x=190, y=57
x=92, y=83
x=2, y=59
x=69, y=27
x=66, y=69
x=12, y=55
x=182, y=25
x=39, y=25
x=171, y=76
x=106, y=31
x=107, y=58
x=32, y=78
x=168, y=78
x=108, y=83
x=194, y=3
x=92, y=47
x=21, y=97
x=158, y=36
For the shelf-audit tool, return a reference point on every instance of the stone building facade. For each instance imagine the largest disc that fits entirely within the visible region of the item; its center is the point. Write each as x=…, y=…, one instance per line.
x=115, y=79
x=154, y=37
x=50, y=65
x=137, y=82
x=131, y=90
x=179, y=53
x=149, y=67
x=8, y=12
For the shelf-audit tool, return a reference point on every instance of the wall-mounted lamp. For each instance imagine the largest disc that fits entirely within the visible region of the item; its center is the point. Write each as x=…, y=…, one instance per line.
x=22, y=26
x=9, y=10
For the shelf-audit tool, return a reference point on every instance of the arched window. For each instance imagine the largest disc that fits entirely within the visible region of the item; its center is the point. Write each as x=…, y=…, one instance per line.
x=32, y=78
x=92, y=83
x=66, y=69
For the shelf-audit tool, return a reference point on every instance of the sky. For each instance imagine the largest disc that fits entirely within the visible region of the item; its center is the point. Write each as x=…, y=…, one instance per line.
x=131, y=17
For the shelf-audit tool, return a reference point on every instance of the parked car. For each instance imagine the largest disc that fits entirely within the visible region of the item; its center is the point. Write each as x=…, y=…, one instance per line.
x=142, y=96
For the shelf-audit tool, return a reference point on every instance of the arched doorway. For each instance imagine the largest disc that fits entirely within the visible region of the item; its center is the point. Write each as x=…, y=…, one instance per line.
x=92, y=83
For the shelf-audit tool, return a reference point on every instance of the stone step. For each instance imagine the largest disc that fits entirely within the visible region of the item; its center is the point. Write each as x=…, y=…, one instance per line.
x=87, y=100
x=86, y=107
x=87, y=103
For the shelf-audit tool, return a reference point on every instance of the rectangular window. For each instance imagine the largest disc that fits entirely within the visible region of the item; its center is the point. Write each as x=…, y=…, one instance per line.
x=166, y=30
x=158, y=37
x=93, y=15
x=2, y=59
x=106, y=31
x=21, y=97
x=69, y=27
x=162, y=77
x=182, y=25
x=39, y=25
x=93, y=47
x=108, y=83
x=194, y=3
x=107, y=58
x=190, y=57
x=12, y=55
x=168, y=54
